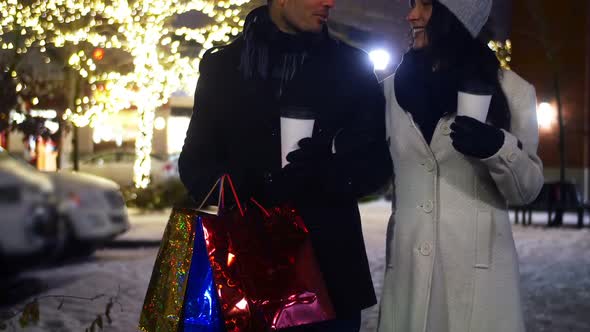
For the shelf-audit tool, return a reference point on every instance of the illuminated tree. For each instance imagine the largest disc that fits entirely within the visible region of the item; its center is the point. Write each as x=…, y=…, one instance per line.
x=34, y=60
x=151, y=55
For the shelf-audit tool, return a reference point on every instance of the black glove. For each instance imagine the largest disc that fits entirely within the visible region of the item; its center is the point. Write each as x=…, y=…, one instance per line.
x=308, y=164
x=308, y=168
x=311, y=150
x=476, y=139
x=297, y=179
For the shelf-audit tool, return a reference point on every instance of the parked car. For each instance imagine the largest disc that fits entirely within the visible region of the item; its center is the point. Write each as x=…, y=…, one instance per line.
x=27, y=210
x=91, y=209
x=50, y=215
x=118, y=166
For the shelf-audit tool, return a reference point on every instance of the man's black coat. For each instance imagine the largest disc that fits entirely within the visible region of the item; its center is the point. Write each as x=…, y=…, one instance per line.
x=235, y=129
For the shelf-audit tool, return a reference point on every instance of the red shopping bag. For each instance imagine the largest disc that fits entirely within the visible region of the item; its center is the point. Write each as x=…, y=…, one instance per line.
x=265, y=271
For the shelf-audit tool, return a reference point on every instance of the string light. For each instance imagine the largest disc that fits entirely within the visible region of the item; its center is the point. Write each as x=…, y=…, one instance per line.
x=143, y=30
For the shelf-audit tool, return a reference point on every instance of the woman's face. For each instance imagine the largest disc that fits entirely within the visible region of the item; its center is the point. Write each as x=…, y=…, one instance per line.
x=418, y=18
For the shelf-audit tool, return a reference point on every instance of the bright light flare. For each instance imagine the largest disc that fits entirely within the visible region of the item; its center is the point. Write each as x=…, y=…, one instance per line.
x=380, y=58
x=546, y=116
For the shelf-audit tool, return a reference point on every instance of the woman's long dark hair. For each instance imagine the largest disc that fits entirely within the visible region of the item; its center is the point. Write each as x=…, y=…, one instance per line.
x=452, y=46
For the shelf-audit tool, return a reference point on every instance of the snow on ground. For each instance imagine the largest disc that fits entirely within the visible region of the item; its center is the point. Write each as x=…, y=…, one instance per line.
x=120, y=273
x=555, y=276
x=146, y=225
x=375, y=217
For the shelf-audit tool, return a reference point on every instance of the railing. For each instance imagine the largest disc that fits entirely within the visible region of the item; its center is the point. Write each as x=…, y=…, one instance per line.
x=550, y=200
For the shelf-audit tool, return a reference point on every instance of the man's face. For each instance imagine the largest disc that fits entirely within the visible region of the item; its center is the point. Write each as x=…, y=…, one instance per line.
x=303, y=15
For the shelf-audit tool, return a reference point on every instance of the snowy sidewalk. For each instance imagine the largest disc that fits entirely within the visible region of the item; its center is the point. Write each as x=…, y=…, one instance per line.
x=147, y=228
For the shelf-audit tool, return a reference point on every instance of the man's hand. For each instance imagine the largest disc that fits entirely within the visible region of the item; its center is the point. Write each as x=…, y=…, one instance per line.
x=311, y=149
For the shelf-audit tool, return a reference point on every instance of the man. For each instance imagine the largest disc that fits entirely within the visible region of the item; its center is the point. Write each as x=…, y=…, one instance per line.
x=286, y=59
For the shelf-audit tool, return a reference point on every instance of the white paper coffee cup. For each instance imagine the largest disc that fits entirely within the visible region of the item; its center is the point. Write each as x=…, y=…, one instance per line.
x=296, y=124
x=473, y=106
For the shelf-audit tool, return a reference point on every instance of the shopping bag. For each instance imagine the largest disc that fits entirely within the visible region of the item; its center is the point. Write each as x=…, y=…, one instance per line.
x=266, y=274
x=201, y=312
x=181, y=296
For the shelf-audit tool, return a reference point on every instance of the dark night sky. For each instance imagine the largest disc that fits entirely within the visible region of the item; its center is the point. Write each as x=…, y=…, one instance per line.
x=380, y=23
x=385, y=18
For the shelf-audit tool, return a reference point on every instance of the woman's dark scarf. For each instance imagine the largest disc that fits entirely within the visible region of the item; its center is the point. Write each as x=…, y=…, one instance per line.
x=425, y=91
x=272, y=54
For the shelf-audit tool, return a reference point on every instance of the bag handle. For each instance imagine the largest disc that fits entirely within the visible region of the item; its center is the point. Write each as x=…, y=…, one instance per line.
x=225, y=178
x=221, y=199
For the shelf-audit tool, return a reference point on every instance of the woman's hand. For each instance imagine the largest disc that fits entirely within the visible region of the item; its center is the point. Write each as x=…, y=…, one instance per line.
x=476, y=139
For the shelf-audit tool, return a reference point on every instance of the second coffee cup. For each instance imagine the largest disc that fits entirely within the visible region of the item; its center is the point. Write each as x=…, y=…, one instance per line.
x=474, y=106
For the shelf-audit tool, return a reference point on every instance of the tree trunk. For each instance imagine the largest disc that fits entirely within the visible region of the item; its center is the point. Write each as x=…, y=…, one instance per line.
x=562, y=161
x=562, y=156
x=60, y=144
x=74, y=87
x=75, y=152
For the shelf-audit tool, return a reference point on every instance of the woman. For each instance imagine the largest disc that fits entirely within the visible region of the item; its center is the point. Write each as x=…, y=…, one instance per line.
x=452, y=263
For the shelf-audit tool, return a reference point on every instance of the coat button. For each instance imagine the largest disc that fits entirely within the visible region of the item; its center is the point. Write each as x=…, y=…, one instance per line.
x=428, y=206
x=446, y=130
x=425, y=249
x=512, y=157
x=429, y=164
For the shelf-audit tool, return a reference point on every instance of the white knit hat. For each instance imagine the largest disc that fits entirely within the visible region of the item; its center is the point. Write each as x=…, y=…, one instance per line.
x=472, y=13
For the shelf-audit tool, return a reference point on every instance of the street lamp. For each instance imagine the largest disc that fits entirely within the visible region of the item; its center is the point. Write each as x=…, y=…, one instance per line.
x=159, y=123
x=380, y=58
x=546, y=116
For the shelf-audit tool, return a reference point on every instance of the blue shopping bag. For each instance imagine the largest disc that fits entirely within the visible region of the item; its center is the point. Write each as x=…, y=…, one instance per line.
x=201, y=312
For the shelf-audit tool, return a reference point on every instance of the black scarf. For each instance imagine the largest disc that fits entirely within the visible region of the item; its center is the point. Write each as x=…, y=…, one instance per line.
x=425, y=91
x=270, y=54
